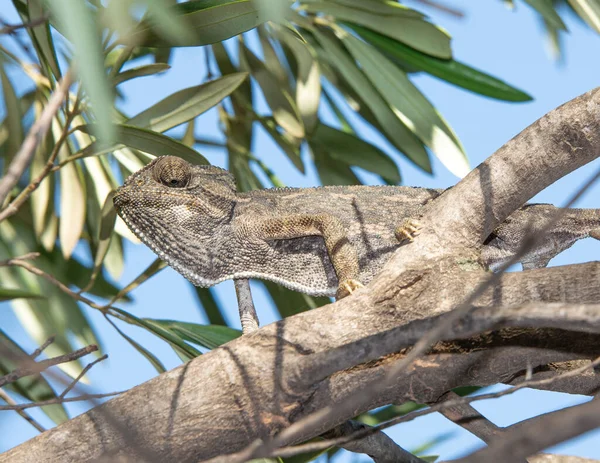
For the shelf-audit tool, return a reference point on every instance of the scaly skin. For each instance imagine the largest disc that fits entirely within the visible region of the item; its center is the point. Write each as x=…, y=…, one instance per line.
x=320, y=241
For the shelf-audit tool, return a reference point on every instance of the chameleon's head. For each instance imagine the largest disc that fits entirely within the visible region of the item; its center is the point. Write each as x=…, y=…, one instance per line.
x=172, y=205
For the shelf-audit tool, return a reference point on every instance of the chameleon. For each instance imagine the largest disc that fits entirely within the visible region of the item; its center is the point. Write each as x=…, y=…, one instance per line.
x=322, y=241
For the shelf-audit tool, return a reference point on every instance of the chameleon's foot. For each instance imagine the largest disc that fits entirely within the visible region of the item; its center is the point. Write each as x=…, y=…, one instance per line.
x=347, y=287
x=408, y=230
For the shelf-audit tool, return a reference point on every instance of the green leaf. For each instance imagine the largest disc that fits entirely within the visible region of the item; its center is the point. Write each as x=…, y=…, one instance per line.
x=380, y=7
x=409, y=105
x=156, y=266
x=7, y=294
x=210, y=305
x=289, y=145
x=79, y=23
x=150, y=142
x=187, y=104
x=157, y=364
x=13, y=112
x=393, y=127
x=169, y=22
x=546, y=9
x=209, y=336
x=42, y=38
x=279, y=100
x=308, y=79
x=290, y=302
x=589, y=10
x=271, y=60
x=211, y=21
x=413, y=31
x=449, y=70
x=140, y=71
x=330, y=171
x=351, y=150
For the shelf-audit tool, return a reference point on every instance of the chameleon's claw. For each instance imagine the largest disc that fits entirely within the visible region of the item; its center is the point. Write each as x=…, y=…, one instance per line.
x=347, y=287
x=408, y=230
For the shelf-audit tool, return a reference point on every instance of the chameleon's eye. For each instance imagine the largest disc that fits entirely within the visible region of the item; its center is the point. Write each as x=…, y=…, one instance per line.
x=172, y=172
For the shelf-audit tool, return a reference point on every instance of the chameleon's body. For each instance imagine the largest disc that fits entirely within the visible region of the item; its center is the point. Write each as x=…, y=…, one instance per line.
x=311, y=239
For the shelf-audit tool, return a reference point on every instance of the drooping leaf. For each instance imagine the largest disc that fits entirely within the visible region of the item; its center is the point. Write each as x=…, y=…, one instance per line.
x=13, y=112
x=589, y=10
x=331, y=172
x=79, y=23
x=413, y=31
x=140, y=71
x=280, y=101
x=151, y=142
x=351, y=150
x=187, y=104
x=209, y=336
x=409, y=105
x=308, y=78
x=211, y=21
x=290, y=302
x=449, y=70
x=210, y=305
x=289, y=145
x=546, y=9
x=393, y=127
x=42, y=38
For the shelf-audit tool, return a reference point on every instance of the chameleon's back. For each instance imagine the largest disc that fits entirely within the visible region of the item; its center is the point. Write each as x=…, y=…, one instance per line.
x=369, y=215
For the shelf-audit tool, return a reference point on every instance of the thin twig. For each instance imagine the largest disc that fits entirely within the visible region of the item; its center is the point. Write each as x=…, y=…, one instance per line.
x=35, y=136
x=28, y=256
x=11, y=28
x=59, y=400
x=87, y=368
x=43, y=347
x=314, y=446
x=26, y=416
x=31, y=368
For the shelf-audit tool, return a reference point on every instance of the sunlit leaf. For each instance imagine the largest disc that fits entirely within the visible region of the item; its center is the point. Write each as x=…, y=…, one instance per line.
x=187, y=104
x=393, y=127
x=589, y=10
x=413, y=31
x=449, y=70
x=409, y=104
x=281, y=103
x=13, y=112
x=209, y=336
x=546, y=9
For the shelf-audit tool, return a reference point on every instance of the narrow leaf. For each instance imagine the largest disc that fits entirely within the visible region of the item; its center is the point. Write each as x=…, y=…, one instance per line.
x=210, y=305
x=589, y=10
x=151, y=142
x=392, y=126
x=209, y=336
x=451, y=71
x=351, y=150
x=13, y=113
x=409, y=105
x=414, y=32
x=281, y=103
x=140, y=71
x=546, y=9
x=187, y=104
x=7, y=294
x=157, y=364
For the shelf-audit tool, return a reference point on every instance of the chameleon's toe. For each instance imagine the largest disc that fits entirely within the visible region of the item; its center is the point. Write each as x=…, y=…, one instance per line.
x=408, y=230
x=347, y=287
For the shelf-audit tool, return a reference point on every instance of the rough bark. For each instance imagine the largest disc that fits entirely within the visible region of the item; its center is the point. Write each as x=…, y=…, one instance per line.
x=258, y=385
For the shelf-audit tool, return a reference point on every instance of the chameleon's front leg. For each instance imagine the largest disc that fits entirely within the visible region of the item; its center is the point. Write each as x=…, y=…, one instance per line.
x=341, y=252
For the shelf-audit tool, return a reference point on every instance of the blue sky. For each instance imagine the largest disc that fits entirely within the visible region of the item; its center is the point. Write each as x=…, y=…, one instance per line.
x=506, y=44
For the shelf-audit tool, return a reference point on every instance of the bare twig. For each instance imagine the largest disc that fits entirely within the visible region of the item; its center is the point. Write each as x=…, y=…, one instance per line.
x=29, y=367
x=34, y=137
x=26, y=416
x=41, y=349
x=87, y=368
x=11, y=28
x=59, y=400
x=461, y=401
